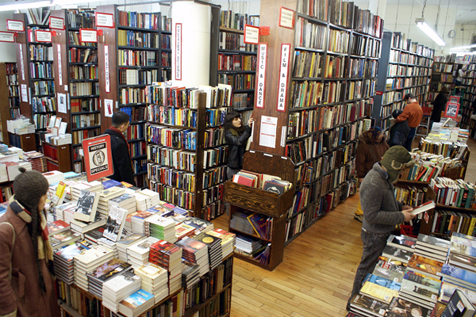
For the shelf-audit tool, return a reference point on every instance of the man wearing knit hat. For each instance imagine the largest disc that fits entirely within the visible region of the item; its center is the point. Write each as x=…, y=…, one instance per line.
x=382, y=212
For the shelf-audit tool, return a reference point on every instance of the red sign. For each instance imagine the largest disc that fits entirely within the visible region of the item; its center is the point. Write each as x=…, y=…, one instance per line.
x=105, y=20
x=98, y=157
x=56, y=23
x=264, y=30
x=452, y=110
x=88, y=35
x=15, y=25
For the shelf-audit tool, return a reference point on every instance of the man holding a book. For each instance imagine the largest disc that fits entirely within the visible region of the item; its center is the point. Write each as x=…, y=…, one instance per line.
x=382, y=212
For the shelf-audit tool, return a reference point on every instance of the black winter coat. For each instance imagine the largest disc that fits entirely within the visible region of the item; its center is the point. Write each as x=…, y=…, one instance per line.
x=121, y=159
x=438, y=106
x=237, y=147
x=399, y=133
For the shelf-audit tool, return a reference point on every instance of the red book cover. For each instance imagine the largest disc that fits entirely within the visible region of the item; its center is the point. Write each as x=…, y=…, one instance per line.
x=243, y=180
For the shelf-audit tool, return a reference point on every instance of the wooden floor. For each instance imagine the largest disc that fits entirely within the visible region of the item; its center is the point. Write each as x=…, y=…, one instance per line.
x=316, y=275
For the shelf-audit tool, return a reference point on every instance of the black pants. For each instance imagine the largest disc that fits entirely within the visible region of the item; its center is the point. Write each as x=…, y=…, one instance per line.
x=408, y=142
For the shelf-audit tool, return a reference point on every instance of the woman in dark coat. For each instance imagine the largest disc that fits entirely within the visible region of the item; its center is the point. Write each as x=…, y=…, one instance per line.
x=26, y=253
x=236, y=136
x=438, y=106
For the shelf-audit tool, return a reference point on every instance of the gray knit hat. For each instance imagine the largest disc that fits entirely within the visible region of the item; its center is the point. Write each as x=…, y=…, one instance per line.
x=29, y=186
x=395, y=159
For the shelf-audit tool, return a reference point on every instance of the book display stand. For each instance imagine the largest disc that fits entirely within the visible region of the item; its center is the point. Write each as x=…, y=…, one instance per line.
x=262, y=202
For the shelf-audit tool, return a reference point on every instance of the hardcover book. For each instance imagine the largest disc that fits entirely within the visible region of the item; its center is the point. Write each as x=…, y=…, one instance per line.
x=366, y=305
x=400, y=307
x=115, y=223
x=459, y=306
x=87, y=206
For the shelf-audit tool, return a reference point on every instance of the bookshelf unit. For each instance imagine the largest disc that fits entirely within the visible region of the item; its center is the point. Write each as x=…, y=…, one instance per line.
x=77, y=81
x=442, y=74
x=140, y=51
x=36, y=75
x=468, y=121
x=186, y=150
x=9, y=102
x=58, y=157
x=405, y=67
x=26, y=142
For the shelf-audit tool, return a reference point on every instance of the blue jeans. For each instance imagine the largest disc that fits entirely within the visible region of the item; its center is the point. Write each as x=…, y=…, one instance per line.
x=374, y=243
x=408, y=142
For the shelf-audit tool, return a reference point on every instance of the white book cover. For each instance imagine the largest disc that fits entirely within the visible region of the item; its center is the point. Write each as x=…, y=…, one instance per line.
x=115, y=223
x=87, y=206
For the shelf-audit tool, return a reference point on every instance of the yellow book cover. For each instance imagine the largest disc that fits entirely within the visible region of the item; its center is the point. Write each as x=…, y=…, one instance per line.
x=251, y=223
x=378, y=292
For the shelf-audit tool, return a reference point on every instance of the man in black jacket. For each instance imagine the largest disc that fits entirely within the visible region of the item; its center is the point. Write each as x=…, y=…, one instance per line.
x=121, y=158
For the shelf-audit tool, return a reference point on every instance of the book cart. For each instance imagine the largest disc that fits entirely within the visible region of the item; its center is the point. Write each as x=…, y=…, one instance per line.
x=9, y=102
x=405, y=68
x=262, y=202
x=140, y=51
x=35, y=73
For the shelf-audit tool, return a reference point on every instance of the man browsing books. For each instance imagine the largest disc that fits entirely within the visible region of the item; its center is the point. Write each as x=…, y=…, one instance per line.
x=412, y=113
x=382, y=212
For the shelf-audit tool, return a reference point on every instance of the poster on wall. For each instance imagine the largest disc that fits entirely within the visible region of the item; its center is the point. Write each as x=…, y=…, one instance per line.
x=98, y=157
x=452, y=110
x=108, y=107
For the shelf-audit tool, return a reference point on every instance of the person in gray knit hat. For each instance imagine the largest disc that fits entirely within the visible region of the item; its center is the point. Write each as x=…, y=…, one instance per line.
x=382, y=212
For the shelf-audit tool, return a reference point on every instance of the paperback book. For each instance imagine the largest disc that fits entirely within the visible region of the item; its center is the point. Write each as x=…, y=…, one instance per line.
x=115, y=223
x=86, y=207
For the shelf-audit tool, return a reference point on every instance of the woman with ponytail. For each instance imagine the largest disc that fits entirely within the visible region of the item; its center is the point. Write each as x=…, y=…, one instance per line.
x=26, y=258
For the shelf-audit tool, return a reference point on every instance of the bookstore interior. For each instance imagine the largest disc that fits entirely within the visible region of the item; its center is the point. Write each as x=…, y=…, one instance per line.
x=278, y=237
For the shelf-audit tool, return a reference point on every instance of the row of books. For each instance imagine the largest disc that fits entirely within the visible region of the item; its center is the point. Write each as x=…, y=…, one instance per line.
x=136, y=58
x=237, y=21
x=238, y=81
x=41, y=70
x=41, y=53
x=83, y=72
x=138, y=77
x=456, y=193
x=43, y=104
x=266, y=182
x=236, y=62
x=82, y=55
x=84, y=89
x=79, y=105
x=75, y=39
x=234, y=42
x=148, y=21
x=364, y=46
x=137, y=39
x=79, y=18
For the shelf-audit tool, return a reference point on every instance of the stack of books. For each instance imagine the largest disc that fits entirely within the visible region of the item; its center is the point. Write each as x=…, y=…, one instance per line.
x=428, y=267
x=154, y=198
x=227, y=240
x=215, y=255
x=390, y=270
x=195, y=252
x=142, y=202
x=83, y=227
x=136, y=304
x=399, y=305
x=380, y=289
x=63, y=238
x=363, y=305
x=462, y=252
x=138, y=253
x=125, y=201
x=161, y=228
x=94, y=235
x=61, y=214
x=190, y=274
x=154, y=280
x=126, y=242
x=106, y=195
x=247, y=245
x=93, y=186
x=64, y=264
x=54, y=177
x=105, y=272
x=119, y=288
x=110, y=245
x=168, y=256
x=420, y=289
x=137, y=220
x=87, y=262
x=432, y=247
x=199, y=224
x=183, y=230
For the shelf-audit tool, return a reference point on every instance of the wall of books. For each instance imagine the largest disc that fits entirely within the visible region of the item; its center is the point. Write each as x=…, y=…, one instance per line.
x=468, y=111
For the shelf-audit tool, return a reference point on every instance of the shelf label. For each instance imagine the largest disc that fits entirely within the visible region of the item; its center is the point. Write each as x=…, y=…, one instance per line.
x=88, y=35
x=24, y=93
x=60, y=68
x=106, y=68
x=261, y=75
x=43, y=36
x=8, y=37
x=251, y=34
x=105, y=20
x=283, y=77
x=56, y=23
x=108, y=107
x=62, y=103
x=98, y=157
x=22, y=65
x=267, y=131
x=15, y=25
x=286, y=18
x=178, y=51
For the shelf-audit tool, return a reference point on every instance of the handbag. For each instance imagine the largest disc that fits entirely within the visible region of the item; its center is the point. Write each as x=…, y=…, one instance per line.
x=13, y=246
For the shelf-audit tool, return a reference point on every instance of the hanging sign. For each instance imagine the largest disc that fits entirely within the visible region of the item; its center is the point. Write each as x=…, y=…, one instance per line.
x=261, y=75
x=8, y=37
x=15, y=25
x=105, y=20
x=251, y=34
x=286, y=18
x=98, y=157
x=178, y=51
x=283, y=77
x=452, y=110
x=106, y=68
x=60, y=68
x=43, y=36
x=56, y=23
x=88, y=35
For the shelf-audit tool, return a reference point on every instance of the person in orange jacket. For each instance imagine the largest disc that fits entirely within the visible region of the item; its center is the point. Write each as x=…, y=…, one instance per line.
x=412, y=113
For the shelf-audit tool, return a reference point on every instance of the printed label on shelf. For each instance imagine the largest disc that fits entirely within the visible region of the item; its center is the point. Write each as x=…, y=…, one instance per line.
x=283, y=77
x=43, y=36
x=178, y=51
x=106, y=68
x=60, y=68
x=104, y=20
x=286, y=18
x=56, y=23
x=15, y=25
x=251, y=34
x=7, y=37
x=261, y=75
x=88, y=35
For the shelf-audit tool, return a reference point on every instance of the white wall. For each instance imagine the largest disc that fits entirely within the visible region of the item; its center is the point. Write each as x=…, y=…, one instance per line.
x=402, y=19
x=464, y=37
x=7, y=50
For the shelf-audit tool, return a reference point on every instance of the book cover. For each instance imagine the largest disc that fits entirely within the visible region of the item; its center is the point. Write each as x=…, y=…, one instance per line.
x=87, y=206
x=137, y=299
x=402, y=241
x=397, y=253
x=57, y=227
x=400, y=307
x=115, y=223
x=425, y=265
x=433, y=242
x=459, y=306
x=458, y=273
x=60, y=192
x=369, y=305
x=378, y=292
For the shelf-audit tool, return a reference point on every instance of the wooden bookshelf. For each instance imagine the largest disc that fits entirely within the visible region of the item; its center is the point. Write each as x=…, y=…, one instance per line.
x=77, y=80
x=9, y=102
x=127, y=80
x=35, y=75
x=468, y=96
x=26, y=142
x=58, y=157
x=405, y=67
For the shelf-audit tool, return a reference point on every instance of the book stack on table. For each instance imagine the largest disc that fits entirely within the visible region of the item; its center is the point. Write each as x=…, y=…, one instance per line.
x=154, y=280
x=168, y=256
x=119, y=288
x=105, y=272
x=195, y=252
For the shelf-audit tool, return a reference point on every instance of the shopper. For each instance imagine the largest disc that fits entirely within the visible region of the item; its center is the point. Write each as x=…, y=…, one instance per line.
x=370, y=150
x=382, y=212
x=413, y=114
x=121, y=158
x=236, y=136
x=399, y=130
x=438, y=106
x=26, y=261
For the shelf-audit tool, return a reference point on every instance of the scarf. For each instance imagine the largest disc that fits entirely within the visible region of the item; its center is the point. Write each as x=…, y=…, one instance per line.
x=121, y=134
x=44, y=247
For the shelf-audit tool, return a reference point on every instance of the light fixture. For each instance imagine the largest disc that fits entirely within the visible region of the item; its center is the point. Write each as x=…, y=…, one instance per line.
x=64, y=3
x=429, y=31
x=459, y=53
x=462, y=47
x=27, y=5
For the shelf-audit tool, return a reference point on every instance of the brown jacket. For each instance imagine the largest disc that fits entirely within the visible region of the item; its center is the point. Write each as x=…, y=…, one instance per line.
x=365, y=159
x=413, y=113
x=22, y=293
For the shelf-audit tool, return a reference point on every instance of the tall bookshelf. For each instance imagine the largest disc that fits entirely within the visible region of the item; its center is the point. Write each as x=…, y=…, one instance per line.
x=140, y=51
x=186, y=150
x=442, y=75
x=9, y=102
x=77, y=81
x=405, y=67
x=36, y=75
x=469, y=95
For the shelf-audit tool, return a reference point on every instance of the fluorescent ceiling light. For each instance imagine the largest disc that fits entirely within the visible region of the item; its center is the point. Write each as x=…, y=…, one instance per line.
x=69, y=2
x=462, y=47
x=27, y=5
x=430, y=32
